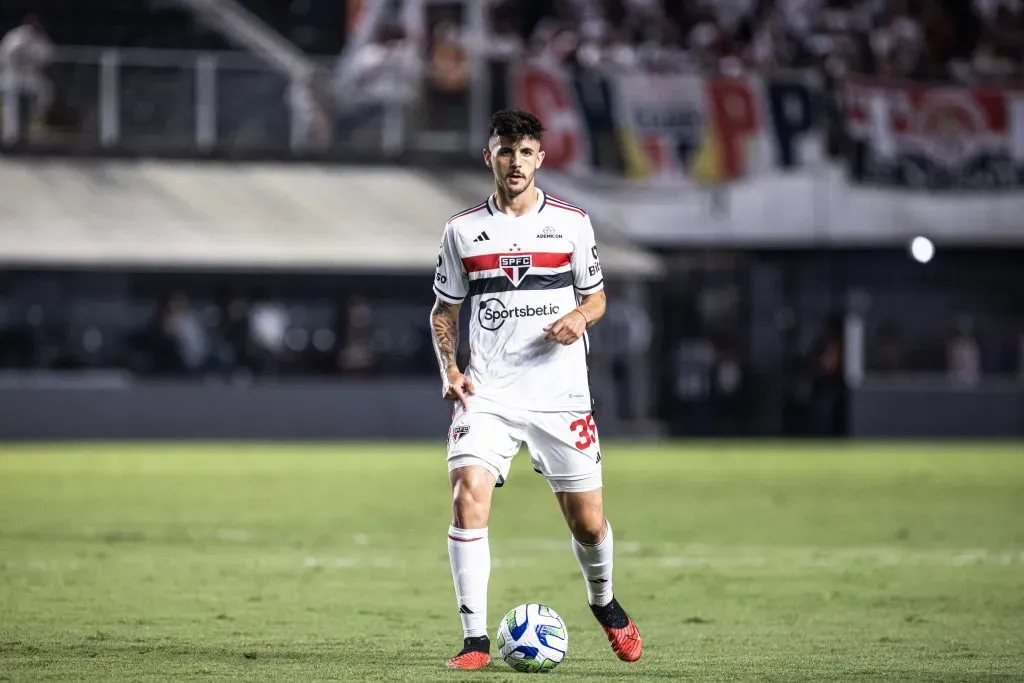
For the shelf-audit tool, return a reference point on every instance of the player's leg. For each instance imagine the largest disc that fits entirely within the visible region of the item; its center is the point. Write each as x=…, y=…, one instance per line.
x=470, y=556
x=479, y=454
x=593, y=546
x=565, y=448
x=592, y=541
x=468, y=546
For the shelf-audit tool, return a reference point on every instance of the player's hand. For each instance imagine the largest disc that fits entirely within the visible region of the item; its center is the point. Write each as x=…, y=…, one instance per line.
x=567, y=329
x=457, y=387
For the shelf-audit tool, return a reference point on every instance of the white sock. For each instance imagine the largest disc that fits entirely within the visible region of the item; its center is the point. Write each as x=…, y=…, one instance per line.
x=470, y=556
x=596, y=564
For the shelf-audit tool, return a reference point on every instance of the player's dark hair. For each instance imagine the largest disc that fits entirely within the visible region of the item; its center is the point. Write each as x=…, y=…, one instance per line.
x=516, y=124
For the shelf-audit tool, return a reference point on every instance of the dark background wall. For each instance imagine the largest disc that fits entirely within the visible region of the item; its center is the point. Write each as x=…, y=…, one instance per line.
x=770, y=315
x=930, y=409
x=291, y=410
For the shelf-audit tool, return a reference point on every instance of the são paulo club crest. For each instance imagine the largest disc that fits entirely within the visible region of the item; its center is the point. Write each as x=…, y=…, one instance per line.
x=516, y=267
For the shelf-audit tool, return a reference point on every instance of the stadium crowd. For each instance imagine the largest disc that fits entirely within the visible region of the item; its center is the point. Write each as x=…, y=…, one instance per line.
x=948, y=40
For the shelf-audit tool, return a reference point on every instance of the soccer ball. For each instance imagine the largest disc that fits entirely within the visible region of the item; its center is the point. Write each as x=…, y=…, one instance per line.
x=532, y=638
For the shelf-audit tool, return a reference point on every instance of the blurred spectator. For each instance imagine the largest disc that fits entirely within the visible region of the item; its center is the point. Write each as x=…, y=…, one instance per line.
x=386, y=71
x=449, y=66
x=382, y=74
x=311, y=130
x=890, y=353
x=25, y=53
x=729, y=384
x=504, y=41
x=828, y=384
x=357, y=353
x=693, y=370
x=963, y=354
x=188, y=337
x=268, y=323
x=625, y=335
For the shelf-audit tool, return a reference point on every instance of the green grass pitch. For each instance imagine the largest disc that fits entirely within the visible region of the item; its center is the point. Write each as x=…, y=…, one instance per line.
x=767, y=562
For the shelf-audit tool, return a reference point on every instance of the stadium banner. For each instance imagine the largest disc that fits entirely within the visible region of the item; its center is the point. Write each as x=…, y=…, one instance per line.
x=667, y=128
x=933, y=137
x=711, y=130
x=550, y=93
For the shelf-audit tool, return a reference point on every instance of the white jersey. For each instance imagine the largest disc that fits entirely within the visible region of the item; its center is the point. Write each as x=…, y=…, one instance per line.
x=518, y=274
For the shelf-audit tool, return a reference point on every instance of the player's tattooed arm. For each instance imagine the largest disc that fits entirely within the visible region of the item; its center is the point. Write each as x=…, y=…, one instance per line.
x=444, y=324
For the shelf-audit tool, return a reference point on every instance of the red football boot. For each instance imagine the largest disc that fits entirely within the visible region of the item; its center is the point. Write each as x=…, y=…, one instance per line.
x=475, y=654
x=622, y=633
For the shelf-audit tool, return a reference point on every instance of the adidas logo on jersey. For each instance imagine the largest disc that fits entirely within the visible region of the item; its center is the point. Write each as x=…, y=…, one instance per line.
x=482, y=237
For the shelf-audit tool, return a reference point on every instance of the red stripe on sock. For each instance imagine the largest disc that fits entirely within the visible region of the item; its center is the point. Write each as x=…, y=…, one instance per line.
x=465, y=540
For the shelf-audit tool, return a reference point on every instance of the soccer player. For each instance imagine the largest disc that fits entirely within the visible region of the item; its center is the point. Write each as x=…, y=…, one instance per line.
x=527, y=265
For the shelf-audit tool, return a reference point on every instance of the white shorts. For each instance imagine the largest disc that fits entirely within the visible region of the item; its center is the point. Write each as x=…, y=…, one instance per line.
x=563, y=445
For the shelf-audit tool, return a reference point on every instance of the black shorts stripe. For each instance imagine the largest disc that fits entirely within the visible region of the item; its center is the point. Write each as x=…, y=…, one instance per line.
x=494, y=285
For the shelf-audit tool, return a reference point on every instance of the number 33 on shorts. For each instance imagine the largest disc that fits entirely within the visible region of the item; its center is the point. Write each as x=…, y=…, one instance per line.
x=586, y=430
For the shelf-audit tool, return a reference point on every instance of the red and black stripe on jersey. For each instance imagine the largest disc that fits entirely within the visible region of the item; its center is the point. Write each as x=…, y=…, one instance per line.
x=530, y=281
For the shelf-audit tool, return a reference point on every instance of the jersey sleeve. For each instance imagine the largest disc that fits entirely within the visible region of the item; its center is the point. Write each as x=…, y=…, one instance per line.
x=450, y=279
x=586, y=265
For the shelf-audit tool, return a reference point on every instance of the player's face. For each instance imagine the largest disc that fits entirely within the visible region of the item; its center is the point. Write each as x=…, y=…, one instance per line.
x=514, y=163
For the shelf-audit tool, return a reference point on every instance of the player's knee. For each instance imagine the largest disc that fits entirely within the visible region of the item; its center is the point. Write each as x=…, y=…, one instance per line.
x=584, y=513
x=588, y=529
x=469, y=509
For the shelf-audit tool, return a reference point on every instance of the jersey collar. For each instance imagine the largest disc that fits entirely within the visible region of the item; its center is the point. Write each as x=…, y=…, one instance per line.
x=492, y=205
